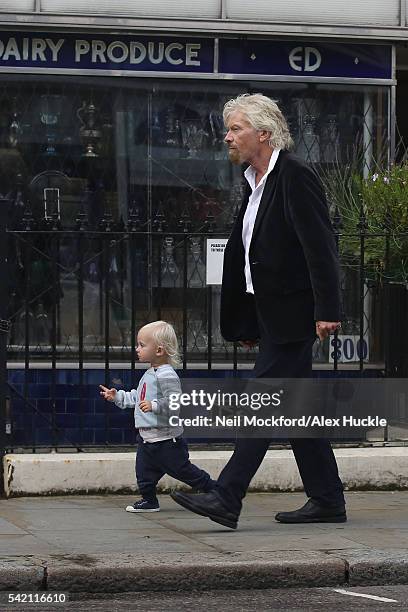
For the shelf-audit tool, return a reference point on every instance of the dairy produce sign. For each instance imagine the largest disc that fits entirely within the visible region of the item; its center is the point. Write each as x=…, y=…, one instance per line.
x=124, y=53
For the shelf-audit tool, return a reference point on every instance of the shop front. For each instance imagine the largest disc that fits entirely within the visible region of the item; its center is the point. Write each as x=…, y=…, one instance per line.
x=112, y=154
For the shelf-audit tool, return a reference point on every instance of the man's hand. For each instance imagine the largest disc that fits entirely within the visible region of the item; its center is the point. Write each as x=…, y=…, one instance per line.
x=248, y=343
x=145, y=406
x=108, y=394
x=325, y=328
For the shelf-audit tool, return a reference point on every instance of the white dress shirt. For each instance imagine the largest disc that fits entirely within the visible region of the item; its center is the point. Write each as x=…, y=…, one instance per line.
x=252, y=210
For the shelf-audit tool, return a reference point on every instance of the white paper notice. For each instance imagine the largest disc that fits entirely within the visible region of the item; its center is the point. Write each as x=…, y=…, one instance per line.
x=215, y=260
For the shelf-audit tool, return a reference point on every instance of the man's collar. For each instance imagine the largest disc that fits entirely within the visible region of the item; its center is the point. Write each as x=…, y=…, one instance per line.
x=250, y=171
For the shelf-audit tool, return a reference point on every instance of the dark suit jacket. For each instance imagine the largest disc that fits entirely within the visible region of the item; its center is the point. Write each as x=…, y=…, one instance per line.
x=293, y=259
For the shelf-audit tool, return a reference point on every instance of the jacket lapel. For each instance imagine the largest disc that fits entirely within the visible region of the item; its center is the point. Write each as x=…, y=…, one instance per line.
x=267, y=195
x=264, y=203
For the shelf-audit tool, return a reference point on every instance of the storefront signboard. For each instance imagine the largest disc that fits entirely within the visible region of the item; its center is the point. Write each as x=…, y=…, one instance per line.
x=125, y=54
x=305, y=59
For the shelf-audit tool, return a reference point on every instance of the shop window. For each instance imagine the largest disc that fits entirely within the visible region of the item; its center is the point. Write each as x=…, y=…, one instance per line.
x=139, y=165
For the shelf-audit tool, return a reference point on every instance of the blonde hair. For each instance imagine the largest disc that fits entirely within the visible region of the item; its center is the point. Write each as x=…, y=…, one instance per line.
x=164, y=335
x=263, y=114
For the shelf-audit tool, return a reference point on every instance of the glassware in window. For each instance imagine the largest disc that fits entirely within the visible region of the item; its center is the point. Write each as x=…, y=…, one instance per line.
x=52, y=207
x=172, y=137
x=14, y=131
x=193, y=136
x=50, y=114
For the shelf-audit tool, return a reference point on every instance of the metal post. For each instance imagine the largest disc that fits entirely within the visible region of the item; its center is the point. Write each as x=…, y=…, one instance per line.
x=337, y=224
x=362, y=228
x=4, y=326
x=368, y=133
x=185, y=303
x=149, y=196
x=386, y=298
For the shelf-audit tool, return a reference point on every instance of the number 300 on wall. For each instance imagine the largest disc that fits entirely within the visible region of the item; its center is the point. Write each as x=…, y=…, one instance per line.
x=348, y=348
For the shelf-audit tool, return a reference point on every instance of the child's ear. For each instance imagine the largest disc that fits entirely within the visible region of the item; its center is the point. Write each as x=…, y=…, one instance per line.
x=160, y=351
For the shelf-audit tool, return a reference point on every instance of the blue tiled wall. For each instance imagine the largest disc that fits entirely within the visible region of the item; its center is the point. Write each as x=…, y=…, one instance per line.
x=79, y=416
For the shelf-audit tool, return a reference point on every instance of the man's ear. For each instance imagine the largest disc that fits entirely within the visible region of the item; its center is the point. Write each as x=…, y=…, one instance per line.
x=264, y=135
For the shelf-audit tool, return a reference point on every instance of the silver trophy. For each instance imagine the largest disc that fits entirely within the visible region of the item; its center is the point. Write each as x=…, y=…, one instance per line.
x=89, y=132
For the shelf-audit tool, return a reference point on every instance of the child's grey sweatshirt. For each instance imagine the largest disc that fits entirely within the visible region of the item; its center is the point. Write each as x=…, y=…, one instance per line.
x=156, y=385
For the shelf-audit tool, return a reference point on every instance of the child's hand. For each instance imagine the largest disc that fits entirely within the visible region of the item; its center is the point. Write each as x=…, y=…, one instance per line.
x=145, y=406
x=108, y=394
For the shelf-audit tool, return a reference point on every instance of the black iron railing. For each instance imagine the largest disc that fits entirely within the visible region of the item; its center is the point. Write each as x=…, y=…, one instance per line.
x=79, y=295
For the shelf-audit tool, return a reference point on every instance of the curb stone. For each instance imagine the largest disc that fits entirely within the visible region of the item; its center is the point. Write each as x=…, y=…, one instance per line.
x=202, y=571
x=376, y=567
x=21, y=574
x=174, y=572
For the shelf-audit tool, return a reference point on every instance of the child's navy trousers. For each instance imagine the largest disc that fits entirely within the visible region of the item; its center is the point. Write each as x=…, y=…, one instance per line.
x=154, y=459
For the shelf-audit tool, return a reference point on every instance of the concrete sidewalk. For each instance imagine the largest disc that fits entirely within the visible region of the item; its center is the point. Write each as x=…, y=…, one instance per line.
x=89, y=543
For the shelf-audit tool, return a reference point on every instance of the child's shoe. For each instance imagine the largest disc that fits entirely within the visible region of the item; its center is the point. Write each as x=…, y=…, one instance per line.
x=143, y=505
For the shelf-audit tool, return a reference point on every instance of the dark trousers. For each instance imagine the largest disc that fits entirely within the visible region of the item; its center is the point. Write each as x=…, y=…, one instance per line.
x=314, y=457
x=155, y=459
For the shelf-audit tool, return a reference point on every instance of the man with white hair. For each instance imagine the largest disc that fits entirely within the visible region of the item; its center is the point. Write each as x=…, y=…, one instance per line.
x=280, y=287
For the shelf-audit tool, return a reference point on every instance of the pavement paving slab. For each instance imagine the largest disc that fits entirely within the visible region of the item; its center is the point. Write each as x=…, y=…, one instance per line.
x=89, y=543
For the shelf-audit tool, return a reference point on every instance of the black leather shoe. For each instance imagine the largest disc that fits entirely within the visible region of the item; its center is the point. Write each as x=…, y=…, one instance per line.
x=207, y=504
x=312, y=512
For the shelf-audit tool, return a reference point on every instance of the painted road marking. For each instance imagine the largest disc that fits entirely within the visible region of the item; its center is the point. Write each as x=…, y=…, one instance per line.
x=344, y=592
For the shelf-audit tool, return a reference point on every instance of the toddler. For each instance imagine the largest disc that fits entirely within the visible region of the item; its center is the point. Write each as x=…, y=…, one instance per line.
x=161, y=448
